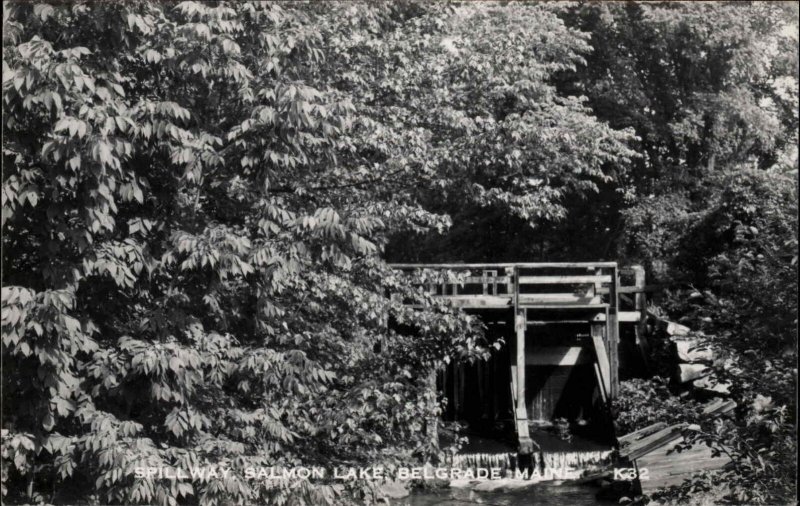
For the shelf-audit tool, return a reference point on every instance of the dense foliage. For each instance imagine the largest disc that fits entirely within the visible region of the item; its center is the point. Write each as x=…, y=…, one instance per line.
x=192, y=217
x=711, y=91
x=199, y=200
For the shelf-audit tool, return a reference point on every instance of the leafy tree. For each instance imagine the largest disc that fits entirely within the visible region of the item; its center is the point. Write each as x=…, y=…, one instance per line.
x=512, y=151
x=192, y=220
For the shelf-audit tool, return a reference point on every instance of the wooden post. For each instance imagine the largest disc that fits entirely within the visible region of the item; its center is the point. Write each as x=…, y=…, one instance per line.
x=613, y=335
x=640, y=305
x=603, y=368
x=525, y=442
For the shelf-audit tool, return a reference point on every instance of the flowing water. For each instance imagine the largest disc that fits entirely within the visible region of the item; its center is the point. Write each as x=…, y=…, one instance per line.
x=541, y=463
x=549, y=476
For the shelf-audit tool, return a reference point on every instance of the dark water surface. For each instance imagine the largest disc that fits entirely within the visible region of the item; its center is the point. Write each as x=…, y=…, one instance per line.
x=544, y=494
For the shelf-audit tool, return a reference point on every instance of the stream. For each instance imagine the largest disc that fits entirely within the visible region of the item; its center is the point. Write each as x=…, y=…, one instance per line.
x=582, y=453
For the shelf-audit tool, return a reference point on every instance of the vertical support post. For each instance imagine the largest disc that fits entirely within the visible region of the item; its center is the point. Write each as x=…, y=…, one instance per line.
x=603, y=366
x=520, y=320
x=525, y=442
x=613, y=328
x=640, y=306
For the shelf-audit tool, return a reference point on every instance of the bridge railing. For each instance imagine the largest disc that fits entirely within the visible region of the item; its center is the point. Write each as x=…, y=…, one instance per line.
x=546, y=284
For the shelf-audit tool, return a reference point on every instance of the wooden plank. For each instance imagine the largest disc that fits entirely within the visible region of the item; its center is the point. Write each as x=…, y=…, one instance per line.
x=479, y=301
x=719, y=407
x=536, y=298
x=589, y=309
x=559, y=297
x=601, y=383
x=582, y=321
x=671, y=469
x=625, y=317
x=523, y=265
x=530, y=300
x=657, y=441
x=652, y=442
x=684, y=461
x=602, y=357
x=556, y=355
x=563, y=280
x=644, y=431
x=485, y=279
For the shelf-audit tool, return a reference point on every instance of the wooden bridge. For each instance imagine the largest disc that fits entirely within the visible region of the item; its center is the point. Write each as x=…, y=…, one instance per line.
x=528, y=301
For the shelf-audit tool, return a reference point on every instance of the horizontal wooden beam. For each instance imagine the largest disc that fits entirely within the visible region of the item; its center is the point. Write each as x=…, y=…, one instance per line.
x=536, y=298
x=522, y=265
x=624, y=317
x=558, y=322
x=563, y=280
x=544, y=300
x=541, y=280
x=479, y=280
x=557, y=305
x=479, y=301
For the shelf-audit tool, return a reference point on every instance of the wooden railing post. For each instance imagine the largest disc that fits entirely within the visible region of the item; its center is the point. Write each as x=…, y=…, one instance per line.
x=613, y=331
x=640, y=306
